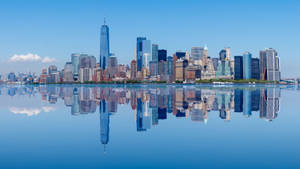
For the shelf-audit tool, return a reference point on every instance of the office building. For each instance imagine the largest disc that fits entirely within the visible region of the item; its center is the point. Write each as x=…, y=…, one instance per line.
x=247, y=65
x=162, y=55
x=68, y=72
x=269, y=65
x=255, y=72
x=139, y=52
x=238, y=67
x=155, y=52
x=104, y=46
x=75, y=62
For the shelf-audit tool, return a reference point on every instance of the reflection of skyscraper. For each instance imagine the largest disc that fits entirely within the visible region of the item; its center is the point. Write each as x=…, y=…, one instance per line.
x=75, y=105
x=104, y=122
x=247, y=103
x=139, y=115
x=269, y=103
x=255, y=99
x=238, y=100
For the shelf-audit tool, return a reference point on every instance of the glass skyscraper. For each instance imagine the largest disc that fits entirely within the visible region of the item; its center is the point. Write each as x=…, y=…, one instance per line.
x=104, y=46
x=75, y=62
x=247, y=65
x=139, y=52
x=238, y=67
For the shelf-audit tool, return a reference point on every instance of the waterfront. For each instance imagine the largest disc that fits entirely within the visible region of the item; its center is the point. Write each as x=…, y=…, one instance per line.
x=149, y=126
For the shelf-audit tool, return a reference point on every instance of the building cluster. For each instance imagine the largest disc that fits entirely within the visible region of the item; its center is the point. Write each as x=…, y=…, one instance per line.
x=152, y=63
x=198, y=65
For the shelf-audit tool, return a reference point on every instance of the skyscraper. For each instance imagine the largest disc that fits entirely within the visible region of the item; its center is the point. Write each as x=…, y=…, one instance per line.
x=154, y=52
x=162, y=55
x=255, y=69
x=224, y=54
x=197, y=53
x=104, y=46
x=238, y=67
x=269, y=65
x=147, y=50
x=139, y=52
x=75, y=62
x=247, y=65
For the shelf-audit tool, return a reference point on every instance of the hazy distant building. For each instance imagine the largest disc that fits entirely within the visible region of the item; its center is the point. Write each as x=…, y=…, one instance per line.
x=68, y=72
x=52, y=69
x=12, y=77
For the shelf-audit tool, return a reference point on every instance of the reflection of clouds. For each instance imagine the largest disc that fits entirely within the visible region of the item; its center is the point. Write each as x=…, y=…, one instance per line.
x=31, y=111
x=48, y=108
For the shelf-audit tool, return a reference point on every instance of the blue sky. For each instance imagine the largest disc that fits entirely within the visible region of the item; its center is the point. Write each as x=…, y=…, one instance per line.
x=55, y=29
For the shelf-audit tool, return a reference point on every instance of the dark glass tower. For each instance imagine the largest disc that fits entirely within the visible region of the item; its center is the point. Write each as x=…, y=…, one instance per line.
x=238, y=67
x=104, y=46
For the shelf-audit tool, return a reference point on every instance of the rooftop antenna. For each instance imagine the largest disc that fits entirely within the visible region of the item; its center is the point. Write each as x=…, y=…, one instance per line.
x=104, y=21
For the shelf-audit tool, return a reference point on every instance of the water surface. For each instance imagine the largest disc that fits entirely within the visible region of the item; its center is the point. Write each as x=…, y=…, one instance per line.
x=149, y=126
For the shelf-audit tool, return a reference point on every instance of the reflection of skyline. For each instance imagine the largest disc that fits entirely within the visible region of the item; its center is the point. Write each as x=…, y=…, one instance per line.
x=151, y=105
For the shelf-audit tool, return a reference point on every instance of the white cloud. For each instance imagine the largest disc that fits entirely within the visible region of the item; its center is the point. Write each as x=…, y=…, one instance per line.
x=27, y=111
x=24, y=58
x=31, y=111
x=48, y=60
x=31, y=58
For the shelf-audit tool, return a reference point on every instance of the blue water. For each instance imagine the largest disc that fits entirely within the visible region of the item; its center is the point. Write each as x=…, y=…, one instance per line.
x=149, y=126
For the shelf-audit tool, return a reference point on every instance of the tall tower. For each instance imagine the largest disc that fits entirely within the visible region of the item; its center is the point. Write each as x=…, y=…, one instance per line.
x=104, y=45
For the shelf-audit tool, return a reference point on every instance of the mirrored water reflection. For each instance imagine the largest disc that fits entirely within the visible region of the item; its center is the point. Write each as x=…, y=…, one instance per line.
x=148, y=106
x=153, y=104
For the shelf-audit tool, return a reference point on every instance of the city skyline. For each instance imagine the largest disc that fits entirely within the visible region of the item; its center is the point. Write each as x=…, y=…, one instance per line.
x=230, y=36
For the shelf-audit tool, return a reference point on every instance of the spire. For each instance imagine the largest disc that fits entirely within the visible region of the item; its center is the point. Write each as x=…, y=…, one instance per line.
x=104, y=21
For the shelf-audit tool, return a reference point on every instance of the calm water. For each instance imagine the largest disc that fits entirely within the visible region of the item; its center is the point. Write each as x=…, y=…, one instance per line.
x=146, y=126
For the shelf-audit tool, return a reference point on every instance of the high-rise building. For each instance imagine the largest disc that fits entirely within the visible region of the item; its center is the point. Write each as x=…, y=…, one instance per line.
x=224, y=54
x=147, y=50
x=112, y=65
x=247, y=65
x=197, y=53
x=86, y=61
x=154, y=52
x=269, y=65
x=162, y=55
x=139, y=52
x=104, y=46
x=153, y=68
x=238, y=67
x=133, y=70
x=75, y=62
x=52, y=69
x=180, y=55
x=255, y=69
x=68, y=72
x=12, y=77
